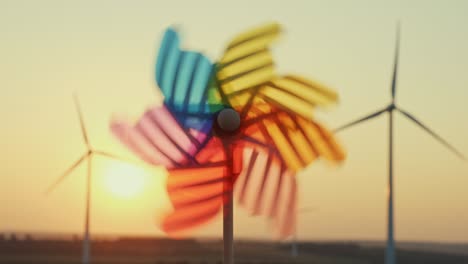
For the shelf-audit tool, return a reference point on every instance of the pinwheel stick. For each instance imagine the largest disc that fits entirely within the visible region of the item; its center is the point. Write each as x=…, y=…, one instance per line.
x=228, y=212
x=228, y=121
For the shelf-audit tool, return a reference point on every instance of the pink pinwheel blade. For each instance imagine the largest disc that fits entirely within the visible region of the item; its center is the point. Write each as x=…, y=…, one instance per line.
x=265, y=187
x=158, y=139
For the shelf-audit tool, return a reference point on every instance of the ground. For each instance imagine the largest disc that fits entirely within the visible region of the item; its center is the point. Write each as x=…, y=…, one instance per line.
x=161, y=251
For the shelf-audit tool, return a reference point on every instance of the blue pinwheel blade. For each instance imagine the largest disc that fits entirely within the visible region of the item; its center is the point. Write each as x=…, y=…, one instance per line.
x=183, y=76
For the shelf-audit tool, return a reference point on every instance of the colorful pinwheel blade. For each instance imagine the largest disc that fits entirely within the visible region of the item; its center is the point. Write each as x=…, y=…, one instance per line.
x=266, y=187
x=246, y=63
x=297, y=95
x=247, y=70
x=184, y=78
x=298, y=141
x=158, y=138
x=196, y=195
x=198, y=192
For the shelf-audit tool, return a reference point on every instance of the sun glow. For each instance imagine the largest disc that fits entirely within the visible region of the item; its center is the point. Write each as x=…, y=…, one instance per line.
x=124, y=180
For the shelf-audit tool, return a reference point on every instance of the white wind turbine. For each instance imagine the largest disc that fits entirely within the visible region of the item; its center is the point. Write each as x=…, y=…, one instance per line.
x=294, y=246
x=390, y=249
x=87, y=156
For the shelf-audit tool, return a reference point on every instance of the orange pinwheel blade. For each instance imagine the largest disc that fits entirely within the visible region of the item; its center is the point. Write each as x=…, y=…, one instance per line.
x=198, y=192
x=298, y=141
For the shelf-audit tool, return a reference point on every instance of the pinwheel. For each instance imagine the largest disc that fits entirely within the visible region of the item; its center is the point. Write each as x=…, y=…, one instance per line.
x=234, y=126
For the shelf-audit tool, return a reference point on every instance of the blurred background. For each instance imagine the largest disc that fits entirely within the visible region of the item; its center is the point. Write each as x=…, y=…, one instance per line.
x=105, y=52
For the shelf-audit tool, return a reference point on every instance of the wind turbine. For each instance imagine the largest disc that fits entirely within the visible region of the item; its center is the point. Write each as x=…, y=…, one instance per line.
x=294, y=246
x=86, y=157
x=390, y=249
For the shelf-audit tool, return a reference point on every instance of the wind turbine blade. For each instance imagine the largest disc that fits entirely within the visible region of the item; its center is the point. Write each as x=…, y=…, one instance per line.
x=360, y=120
x=395, y=65
x=432, y=133
x=65, y=174
x=112, y=156
x=80, y=115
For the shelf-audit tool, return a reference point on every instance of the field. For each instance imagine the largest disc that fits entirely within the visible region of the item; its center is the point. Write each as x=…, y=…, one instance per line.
x=160, y=251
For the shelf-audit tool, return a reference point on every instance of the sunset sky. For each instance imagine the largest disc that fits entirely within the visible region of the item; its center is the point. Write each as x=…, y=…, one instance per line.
x=105, y=52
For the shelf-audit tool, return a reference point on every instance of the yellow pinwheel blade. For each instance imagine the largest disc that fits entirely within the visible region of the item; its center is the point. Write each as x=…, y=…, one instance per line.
x=297, y=95
x=247, y=62
x=251, y=42
x=247, y=70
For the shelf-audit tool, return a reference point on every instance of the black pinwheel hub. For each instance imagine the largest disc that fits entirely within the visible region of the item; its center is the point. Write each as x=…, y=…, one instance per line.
x=227, y=122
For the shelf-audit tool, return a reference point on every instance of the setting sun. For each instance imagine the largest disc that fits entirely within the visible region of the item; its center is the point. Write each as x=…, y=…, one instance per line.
x=125, y=180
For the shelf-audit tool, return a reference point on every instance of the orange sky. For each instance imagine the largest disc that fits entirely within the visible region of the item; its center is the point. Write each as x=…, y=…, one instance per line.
x=106, y=52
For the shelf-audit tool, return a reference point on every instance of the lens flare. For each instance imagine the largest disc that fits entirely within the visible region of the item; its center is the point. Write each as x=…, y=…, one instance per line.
x=124, y=180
